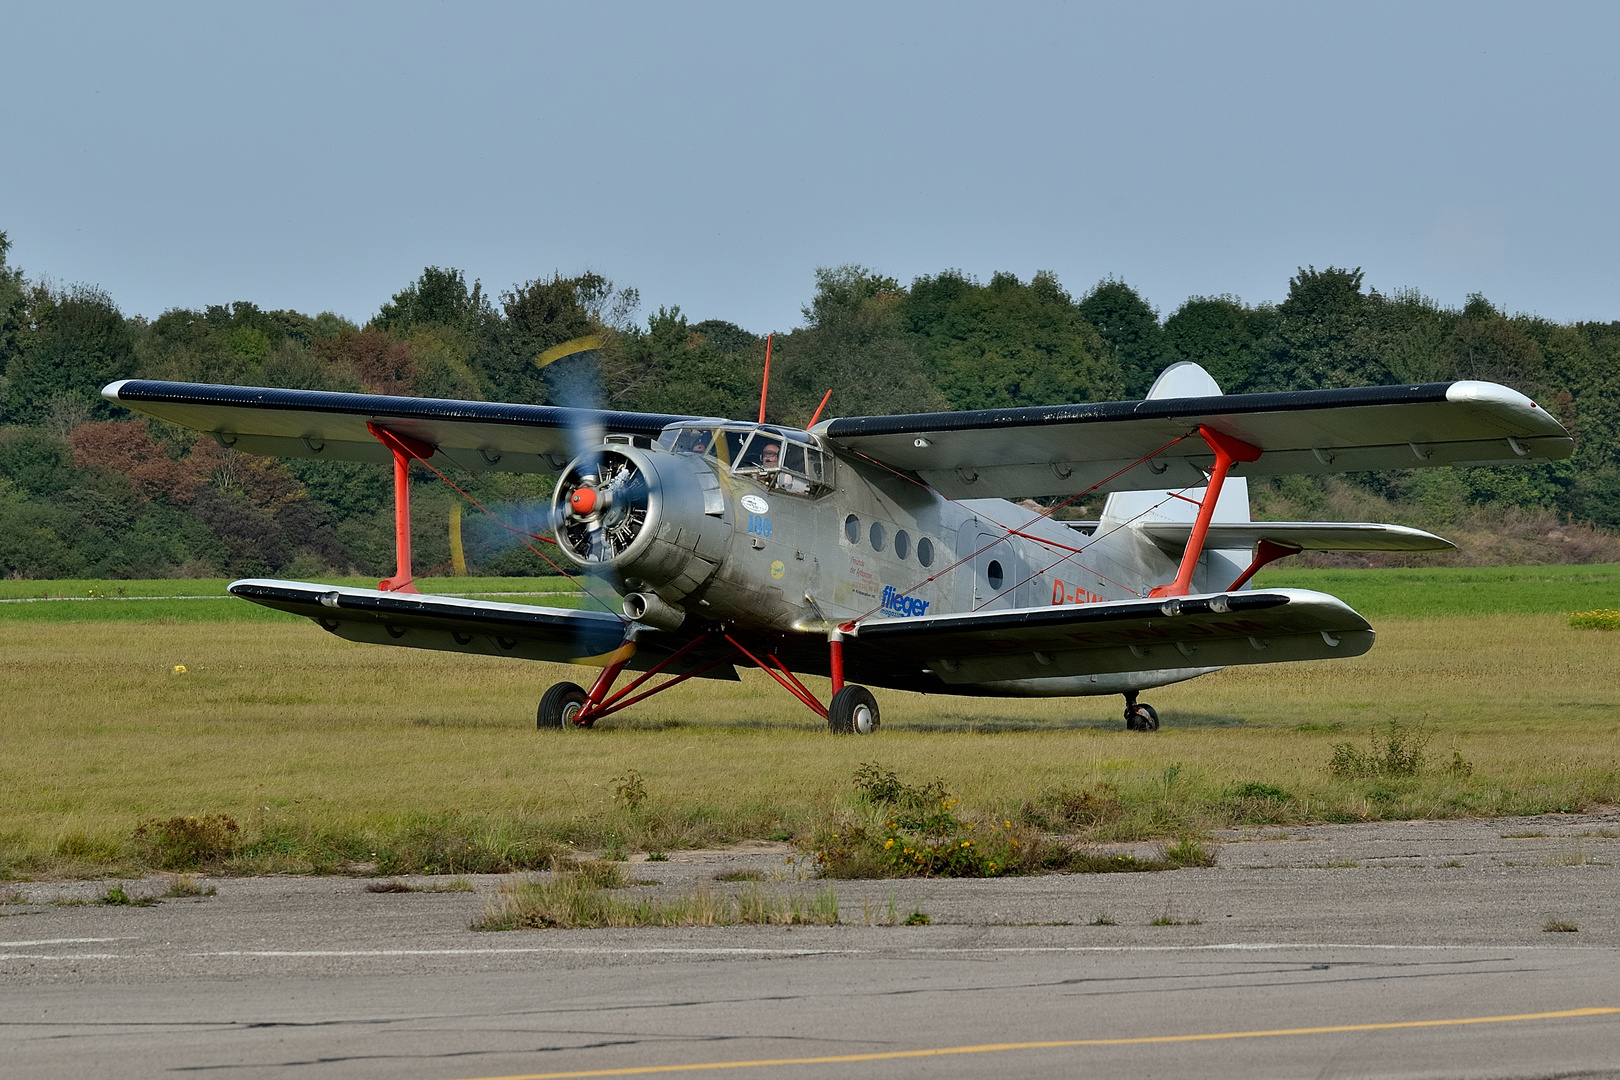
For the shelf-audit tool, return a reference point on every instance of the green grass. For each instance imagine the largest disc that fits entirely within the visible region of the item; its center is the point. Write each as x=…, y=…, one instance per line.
x=1459, y=590
x=190, y=600
x=1377, y=594
x=336, y=757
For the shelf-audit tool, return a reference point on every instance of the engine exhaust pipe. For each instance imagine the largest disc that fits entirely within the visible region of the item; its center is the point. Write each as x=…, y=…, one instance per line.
x=648, y=609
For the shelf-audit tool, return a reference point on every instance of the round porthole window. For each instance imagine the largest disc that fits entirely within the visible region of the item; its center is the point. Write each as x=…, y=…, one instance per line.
x=994, y=573
x=925, y=551
x=852, y=529
x=876, y=536
x=902, y=544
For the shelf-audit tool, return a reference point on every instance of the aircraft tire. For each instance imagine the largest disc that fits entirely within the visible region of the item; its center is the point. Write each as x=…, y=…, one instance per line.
x=853, y=711
x=1142, y=717
x=557, y=707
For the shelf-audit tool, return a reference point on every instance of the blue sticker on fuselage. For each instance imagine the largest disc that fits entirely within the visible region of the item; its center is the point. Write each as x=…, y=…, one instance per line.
x=900, y=604
x=759, y=524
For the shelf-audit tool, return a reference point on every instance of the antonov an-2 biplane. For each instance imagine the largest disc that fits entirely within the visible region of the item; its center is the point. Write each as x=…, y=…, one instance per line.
x=883, y=550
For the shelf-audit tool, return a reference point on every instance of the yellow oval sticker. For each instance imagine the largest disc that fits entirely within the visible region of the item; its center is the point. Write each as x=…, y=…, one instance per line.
x=777, y=569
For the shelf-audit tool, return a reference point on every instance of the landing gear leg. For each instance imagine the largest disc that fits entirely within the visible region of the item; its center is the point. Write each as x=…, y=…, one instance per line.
x=1139, y=717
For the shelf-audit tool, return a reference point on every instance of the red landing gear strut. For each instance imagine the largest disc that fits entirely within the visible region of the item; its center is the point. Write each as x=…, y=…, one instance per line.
x=852, y=709
x=404, y=449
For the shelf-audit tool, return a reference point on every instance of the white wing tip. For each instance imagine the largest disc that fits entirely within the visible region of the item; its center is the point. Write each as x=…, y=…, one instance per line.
x=1488, y=393
x=110, y=391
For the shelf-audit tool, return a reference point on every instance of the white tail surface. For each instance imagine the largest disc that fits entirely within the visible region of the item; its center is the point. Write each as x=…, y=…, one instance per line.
x=1217, y=568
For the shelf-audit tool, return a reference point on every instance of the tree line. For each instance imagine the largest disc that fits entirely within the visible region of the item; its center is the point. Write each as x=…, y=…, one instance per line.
x=86, y=489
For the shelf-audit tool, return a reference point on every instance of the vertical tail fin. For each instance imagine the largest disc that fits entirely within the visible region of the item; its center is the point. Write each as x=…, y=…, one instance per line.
x=1124, y=508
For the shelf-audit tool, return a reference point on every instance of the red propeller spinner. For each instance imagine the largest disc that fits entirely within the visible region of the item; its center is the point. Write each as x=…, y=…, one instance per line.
x=583, y=501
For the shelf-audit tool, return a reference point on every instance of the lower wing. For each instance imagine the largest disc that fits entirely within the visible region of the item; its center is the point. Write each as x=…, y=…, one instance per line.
x=1218, y=630
x=457, y=624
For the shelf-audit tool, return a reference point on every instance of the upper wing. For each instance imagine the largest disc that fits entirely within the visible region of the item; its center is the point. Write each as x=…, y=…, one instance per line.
x=461, y=624
x=1065, y=449
x=1304, y=535
x=475, y=435
x=1125, y=635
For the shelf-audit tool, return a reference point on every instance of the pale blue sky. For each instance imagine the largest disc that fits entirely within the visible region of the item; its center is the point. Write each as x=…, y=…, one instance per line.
x=316, y=156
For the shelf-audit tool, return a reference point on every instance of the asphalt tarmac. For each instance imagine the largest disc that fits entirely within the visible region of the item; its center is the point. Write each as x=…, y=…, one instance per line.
x=1405, y=950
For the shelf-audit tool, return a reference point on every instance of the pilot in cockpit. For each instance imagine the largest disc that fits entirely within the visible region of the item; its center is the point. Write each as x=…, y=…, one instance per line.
x=770, y=459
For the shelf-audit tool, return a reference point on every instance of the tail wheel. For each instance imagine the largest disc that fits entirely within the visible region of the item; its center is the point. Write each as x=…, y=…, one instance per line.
x=853, y=711
x=1141, y=717
x=559, y=705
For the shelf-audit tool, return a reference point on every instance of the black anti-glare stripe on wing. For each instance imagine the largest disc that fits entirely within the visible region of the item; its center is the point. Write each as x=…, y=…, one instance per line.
x=1070, y=615
x=379, y=405
x=1156, y=409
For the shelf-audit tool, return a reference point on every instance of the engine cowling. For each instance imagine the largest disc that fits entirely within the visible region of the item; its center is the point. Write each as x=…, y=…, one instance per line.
x=643, y=519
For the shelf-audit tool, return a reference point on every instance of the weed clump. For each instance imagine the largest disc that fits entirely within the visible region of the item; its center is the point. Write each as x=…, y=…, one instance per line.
x=1559, y=926
x=1065, y=810
x=447, y=844
x=919, y=833
x=567, y=899
x=1596, y=619
x=188, y=843
x=1259, y=792
x=117, y=897
x=1400, y=751
x=629, y=790
x=397, y=886
x=185, y=885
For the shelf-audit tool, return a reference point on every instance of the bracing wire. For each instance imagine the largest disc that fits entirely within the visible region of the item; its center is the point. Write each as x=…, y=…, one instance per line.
x=1047, y=513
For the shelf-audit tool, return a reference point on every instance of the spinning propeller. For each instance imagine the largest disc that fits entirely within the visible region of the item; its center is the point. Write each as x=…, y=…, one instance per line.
x=602, y=505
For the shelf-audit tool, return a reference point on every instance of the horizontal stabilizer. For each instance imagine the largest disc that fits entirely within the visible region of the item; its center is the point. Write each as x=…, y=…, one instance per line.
x=1300, y=535
x=478, y=436
x=470, y=625
x=1124, y=635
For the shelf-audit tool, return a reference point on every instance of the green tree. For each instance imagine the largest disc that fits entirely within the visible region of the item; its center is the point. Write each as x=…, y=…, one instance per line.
x=1323, y=335
x=439, y=297
x=707, y=369
x=1008, y=343
x=1131, y=328
x=1218, y=333
x=855, y=344
x=13, y=308
x=78, y=343
x=535, y=316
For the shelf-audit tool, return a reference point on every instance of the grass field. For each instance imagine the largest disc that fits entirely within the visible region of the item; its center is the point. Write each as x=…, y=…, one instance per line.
x=205, y=599
x=329, y=754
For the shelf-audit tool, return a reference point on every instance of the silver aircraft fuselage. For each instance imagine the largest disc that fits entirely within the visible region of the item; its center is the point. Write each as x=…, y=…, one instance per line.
x=767, y=551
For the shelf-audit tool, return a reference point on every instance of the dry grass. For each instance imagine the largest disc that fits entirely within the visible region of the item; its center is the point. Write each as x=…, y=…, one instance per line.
x=327, y=752
x=569, y=900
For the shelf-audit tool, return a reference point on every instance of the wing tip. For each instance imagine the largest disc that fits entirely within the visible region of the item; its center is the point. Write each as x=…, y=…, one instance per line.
x=112, y=389
x=1478, y=392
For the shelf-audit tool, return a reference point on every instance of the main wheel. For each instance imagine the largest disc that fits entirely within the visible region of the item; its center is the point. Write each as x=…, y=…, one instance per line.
x=1141, y=717
x=852, y=711
x=558, y=707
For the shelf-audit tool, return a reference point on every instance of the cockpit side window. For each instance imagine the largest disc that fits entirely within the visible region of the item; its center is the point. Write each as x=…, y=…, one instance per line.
x=782, y=459
x=728, y=447
x=692, y=441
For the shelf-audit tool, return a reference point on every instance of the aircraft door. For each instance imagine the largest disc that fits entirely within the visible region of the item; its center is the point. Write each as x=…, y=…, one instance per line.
x=997, y=570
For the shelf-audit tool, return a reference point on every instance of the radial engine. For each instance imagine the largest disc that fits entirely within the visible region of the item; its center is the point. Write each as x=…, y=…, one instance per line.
x=643, y=519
